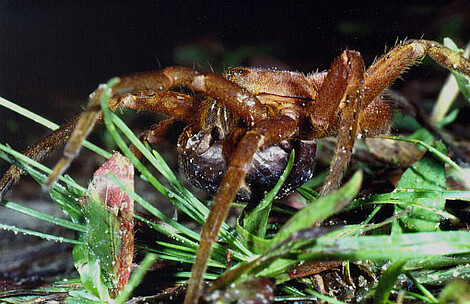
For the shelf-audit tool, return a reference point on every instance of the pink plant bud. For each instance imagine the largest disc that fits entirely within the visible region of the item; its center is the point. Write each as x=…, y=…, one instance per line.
x=121, y=207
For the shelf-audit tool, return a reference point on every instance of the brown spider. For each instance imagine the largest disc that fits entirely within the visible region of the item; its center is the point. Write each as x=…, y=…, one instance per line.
x=254, y=117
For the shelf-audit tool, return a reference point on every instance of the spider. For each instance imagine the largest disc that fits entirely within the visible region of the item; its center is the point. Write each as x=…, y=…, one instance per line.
x=246, y=123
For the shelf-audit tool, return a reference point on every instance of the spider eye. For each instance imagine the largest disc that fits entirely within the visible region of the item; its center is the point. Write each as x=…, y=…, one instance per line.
x=237, y=72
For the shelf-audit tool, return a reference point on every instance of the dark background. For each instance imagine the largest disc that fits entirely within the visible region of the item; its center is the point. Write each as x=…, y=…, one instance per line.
x=54, y=53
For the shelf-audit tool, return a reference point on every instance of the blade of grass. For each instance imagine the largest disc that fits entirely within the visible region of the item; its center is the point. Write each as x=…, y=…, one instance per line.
x=24, y=159
x=436, y=277
x=430, y=148
x=437, y=262
x=450, y=89
x=43, y=216
x=371, y=247
x=423, y=289
x=323, y=297
x=136, y=278
x=195, y=209
x=415, y=296
x=28, y=114
x=157, y=213
x=320, y=209
x=186, y=275
x=406, y=204
x=255, y=222
x=462, y=81
x=406, y=195
x=42, y=235
x=387, y=281
x=47, y=123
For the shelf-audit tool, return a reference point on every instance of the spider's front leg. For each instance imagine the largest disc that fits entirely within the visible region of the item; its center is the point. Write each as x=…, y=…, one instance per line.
x=383, y=72
x=365, y=111
x=391, y=65
x=340, y=95
x=148, y=91
x=144, y=91
x=264, y=133
x=350, y=107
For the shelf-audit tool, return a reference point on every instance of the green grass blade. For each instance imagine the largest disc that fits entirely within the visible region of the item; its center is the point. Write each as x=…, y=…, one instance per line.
x=42, y=235
x=136, y=278
x=195, y=209
x=387, y=281
x=371, y=247
x=462, y=81
x=430, y=297
x=454, y=84
x=28, y=114
x=47, y=123
x=17, y=156
x=42, y=216
x=409, y=195
x=323, y=297
x=320, y=209
x=431, y=149
x=255, y=222
x=158, y=214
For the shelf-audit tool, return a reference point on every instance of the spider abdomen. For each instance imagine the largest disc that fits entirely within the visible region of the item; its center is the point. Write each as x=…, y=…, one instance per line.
x=202, y=163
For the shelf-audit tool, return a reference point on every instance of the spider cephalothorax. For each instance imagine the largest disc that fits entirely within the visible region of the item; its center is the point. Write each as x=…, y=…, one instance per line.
x=254, y=114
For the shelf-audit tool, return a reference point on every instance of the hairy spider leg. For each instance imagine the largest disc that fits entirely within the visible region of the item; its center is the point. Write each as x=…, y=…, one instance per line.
x=373, y=113
x=390, y=66
x=264, y=133
x=347, y=72
x=132, y=91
